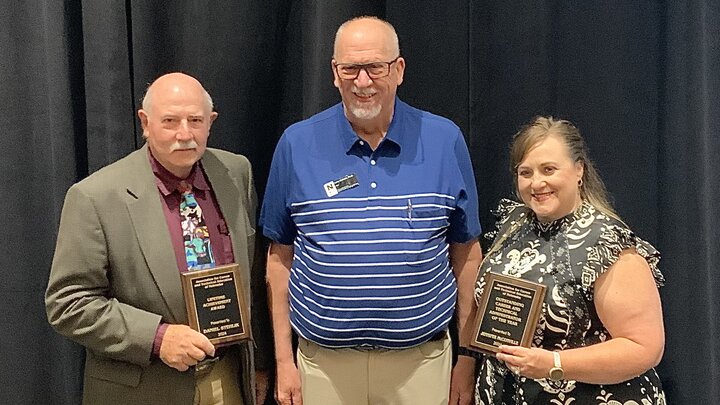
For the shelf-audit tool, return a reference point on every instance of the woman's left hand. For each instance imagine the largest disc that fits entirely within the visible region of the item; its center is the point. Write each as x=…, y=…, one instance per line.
x=529, y=362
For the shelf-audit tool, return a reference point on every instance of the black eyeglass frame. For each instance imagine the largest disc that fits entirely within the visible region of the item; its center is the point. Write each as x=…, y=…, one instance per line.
x=364, y=66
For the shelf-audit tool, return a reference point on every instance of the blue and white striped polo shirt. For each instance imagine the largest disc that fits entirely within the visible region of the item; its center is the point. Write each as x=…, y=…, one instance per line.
x=371, y=229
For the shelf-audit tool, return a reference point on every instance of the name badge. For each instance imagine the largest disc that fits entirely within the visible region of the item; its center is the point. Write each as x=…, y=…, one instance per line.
x=332, y=188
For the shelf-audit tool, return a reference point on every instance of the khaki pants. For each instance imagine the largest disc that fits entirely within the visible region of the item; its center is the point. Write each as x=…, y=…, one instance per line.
x=219, y=385
x=416, y=376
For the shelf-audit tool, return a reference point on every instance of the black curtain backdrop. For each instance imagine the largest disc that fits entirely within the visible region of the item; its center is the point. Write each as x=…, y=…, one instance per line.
x=640, y=78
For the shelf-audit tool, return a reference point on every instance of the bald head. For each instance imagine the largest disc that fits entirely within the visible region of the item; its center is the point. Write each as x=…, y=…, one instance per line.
x=361, y=27
x=369, y=47
x=176, y=119
x=175, y=83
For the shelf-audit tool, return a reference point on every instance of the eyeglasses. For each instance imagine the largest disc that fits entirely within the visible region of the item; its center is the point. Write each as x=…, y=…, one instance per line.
x=375, y=70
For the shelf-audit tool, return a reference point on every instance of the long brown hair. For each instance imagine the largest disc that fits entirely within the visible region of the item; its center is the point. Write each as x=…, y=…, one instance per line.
x=592, y=188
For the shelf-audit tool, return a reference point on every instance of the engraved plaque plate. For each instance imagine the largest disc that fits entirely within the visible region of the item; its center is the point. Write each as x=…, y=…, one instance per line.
x=507, y=314
x=215, y=304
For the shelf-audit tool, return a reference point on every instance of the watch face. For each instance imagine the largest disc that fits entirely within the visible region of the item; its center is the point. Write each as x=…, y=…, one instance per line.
x=556, y=373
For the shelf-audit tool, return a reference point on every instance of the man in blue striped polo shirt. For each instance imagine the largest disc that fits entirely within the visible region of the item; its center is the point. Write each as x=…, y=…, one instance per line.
x=371, y=207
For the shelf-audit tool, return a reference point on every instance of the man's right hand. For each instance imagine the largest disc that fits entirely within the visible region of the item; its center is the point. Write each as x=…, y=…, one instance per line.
x=287, y=386
x=182, y=347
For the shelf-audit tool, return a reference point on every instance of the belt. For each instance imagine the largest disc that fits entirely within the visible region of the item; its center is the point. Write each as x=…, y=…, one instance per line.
x=434, y=338
x=206, y=365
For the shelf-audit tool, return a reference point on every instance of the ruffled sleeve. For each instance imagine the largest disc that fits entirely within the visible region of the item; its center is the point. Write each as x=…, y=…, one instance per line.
x=612, y=241
x=506, y=212
x=503, y=212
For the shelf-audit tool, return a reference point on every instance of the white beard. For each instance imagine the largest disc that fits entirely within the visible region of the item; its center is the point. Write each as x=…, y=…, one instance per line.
x=366, y=113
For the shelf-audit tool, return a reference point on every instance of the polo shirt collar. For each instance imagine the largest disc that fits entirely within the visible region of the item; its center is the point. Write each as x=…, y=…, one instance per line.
x=394, y=134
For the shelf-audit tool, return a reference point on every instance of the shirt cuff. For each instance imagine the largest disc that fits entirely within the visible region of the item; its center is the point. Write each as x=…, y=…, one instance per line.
x=157, y=342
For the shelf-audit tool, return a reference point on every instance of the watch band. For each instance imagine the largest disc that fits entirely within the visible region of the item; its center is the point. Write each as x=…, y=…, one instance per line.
x=556, y=359
x=556, y=372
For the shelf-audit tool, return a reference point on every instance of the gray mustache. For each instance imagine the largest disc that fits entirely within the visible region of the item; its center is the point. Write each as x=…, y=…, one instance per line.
x=183, y=145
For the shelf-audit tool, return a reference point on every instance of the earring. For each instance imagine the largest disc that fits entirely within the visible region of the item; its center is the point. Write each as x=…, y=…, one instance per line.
x=580, y=183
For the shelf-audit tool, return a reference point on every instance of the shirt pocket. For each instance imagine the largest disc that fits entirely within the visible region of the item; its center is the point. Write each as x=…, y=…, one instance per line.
x=426, y=218
x=427, y=226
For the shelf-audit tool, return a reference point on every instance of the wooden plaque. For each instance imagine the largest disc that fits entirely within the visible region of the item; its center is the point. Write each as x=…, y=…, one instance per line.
x=216, y=305
x=508, y=313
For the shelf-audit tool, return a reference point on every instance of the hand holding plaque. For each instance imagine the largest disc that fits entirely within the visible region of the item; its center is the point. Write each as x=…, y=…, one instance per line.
x=508, y=313
x=215, y=304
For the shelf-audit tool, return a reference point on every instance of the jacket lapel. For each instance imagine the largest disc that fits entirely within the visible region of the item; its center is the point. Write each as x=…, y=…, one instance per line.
x=151, y=229
x=227, y=194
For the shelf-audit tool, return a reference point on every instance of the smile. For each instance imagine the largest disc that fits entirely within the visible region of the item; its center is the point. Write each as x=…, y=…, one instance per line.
x=364, y=96
x=542, y=196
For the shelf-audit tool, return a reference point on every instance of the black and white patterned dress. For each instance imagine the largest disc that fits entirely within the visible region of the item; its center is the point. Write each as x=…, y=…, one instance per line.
x=567, y=255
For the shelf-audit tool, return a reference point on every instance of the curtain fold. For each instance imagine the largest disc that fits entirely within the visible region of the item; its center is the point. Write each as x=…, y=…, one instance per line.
x=689, y=193
x=43, y=147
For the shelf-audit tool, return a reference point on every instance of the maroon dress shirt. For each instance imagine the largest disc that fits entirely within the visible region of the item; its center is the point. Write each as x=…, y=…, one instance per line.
x=220, y=241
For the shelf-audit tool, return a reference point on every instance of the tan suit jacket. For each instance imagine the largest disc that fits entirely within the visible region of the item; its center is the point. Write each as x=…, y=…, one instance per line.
x=114, y=278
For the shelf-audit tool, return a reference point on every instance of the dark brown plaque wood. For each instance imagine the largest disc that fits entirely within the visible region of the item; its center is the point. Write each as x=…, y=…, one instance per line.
x=508, y=313
x=216, y=305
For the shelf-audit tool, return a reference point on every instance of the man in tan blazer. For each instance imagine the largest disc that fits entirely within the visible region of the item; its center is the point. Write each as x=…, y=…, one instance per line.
x=115, y=281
